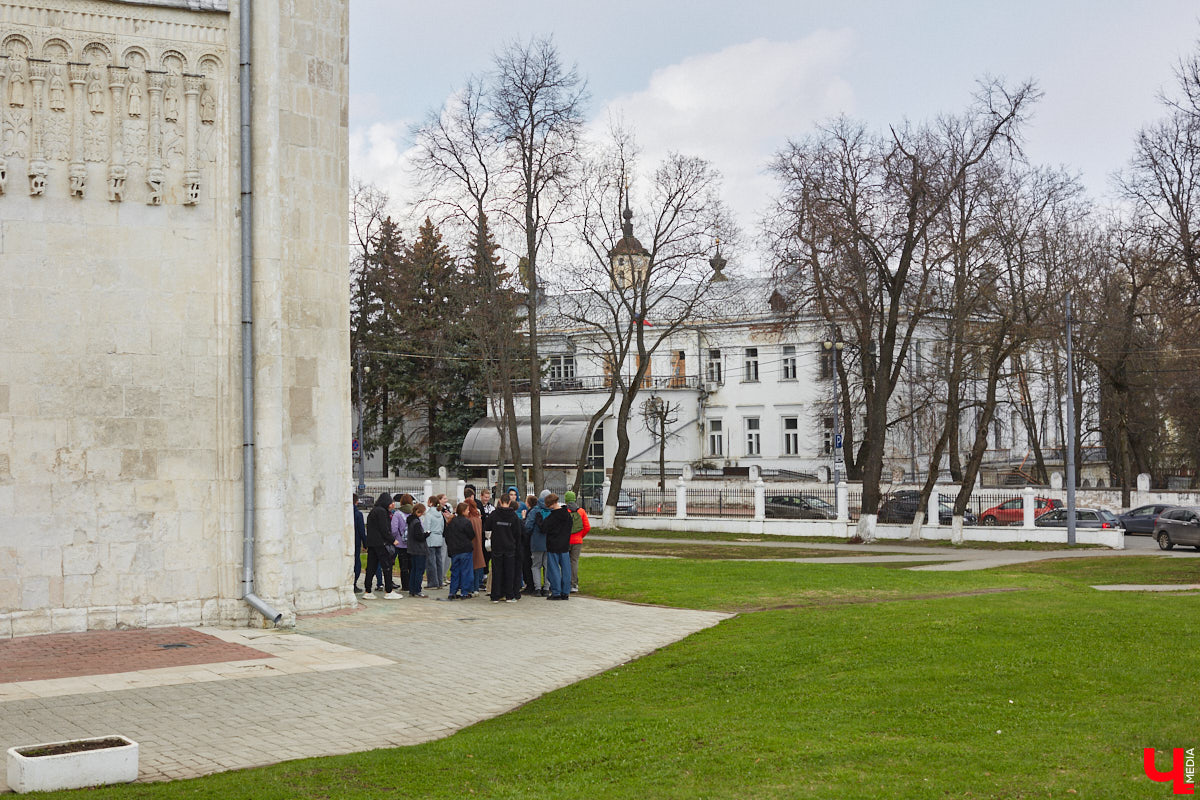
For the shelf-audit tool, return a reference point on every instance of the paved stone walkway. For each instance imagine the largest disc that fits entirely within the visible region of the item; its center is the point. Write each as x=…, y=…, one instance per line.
x=308, y=698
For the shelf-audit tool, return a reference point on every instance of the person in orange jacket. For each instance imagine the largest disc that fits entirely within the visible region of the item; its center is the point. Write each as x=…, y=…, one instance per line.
x=580, y=526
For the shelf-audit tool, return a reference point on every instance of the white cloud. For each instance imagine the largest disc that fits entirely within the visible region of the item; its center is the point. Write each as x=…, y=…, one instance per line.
x=736, y=106
x=381, y=153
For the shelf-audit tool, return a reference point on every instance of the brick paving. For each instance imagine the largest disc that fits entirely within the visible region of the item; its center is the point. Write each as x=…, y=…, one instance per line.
x=308, y=699
x=71, y=655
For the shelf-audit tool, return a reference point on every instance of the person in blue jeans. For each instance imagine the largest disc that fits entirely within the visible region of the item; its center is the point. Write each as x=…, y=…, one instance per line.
x=460, y=544
x=556, y=525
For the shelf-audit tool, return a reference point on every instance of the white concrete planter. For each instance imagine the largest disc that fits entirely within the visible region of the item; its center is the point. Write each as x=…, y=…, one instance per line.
x=112, y=759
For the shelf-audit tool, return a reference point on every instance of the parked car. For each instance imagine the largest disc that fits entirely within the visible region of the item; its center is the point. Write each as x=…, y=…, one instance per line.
x=1084, y=518
x=365, y=501
x=901, y=509
x=1012, y=512
x=1178, y=525
x=626, y=504
x=1142, y=518
x=799, y=506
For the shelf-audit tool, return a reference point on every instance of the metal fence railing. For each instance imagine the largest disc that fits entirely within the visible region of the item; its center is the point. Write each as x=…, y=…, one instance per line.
x=655, y=502
x=720, y=502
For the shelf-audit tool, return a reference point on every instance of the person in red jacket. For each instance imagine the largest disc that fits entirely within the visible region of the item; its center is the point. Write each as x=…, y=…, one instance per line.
x=580, y=526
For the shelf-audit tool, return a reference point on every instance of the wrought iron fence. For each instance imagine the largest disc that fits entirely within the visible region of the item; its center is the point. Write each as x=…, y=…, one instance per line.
x=720, y=502
x=655, y=502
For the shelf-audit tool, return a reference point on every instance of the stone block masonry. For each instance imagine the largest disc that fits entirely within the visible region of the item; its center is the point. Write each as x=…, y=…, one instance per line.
x=120, y=391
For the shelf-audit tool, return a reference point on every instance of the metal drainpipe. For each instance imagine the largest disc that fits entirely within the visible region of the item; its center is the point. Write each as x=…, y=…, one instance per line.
x=247, y=228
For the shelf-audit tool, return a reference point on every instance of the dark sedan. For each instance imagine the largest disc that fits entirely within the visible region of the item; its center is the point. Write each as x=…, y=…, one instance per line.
x=1084, y=518
x=1142, y=518
x=902, y=510
x=796, y=506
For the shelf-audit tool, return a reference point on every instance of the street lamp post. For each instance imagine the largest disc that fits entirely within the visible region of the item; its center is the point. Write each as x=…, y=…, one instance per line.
x=834, y=346
x=362, y=455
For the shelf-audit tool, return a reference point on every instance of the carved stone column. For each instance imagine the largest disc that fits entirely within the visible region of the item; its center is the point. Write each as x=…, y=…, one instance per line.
x=192, y=84
x=154, y=149
x=116, y=167
x=3, y=108
x=78, y=168
x=38, y=169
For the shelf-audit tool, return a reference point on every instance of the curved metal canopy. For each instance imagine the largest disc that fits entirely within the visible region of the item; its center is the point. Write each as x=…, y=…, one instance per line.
x=562, y=442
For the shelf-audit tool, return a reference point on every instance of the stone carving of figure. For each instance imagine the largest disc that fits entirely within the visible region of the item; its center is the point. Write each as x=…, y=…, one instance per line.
x=171, y=104
x=58, y=91
x=16, y=83
x=95, y=91
x=208, y=106
x=135, y=98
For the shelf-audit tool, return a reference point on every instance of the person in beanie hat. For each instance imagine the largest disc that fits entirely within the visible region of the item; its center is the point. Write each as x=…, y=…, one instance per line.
x=580, y=526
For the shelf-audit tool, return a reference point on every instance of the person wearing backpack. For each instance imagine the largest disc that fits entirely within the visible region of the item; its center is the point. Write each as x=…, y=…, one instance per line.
x=580, y=526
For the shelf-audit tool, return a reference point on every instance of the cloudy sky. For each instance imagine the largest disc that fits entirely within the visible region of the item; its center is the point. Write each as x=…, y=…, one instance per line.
x=732, y=81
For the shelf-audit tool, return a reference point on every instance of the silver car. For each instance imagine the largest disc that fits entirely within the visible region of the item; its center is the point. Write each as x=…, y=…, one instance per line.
x=1179, y=525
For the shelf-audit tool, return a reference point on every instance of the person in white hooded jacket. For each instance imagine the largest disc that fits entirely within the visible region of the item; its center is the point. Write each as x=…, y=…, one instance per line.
x=435, y=526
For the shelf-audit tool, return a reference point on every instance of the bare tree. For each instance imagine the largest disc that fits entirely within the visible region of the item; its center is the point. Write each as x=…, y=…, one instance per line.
x=658, y=415
x=853, y=238
x=459, y=160
x=536, y=106
x=632, y=297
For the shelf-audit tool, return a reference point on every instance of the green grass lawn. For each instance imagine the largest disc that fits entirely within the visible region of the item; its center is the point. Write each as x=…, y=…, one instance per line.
x=850, y=682
x=719, y=536
x=720, y=550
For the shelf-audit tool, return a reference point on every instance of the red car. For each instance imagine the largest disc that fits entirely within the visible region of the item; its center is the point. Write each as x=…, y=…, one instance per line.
x=1012, y=512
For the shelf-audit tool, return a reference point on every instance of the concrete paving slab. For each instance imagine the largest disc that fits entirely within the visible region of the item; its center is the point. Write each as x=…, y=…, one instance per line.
x=199, y=720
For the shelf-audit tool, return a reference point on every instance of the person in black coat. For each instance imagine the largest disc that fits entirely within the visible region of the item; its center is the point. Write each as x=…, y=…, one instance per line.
x=418, y=551
x=505, y=528
x=360, y=534
x=460, y=544
x=557, y=527
x=378, y=538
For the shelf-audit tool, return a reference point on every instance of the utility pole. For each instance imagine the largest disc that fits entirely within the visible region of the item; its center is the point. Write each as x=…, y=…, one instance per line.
x=1070, y=432
x=362, y=449
x=834, y=345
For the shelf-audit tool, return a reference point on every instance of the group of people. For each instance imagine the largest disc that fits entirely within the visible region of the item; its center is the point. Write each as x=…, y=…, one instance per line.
x=519, y=548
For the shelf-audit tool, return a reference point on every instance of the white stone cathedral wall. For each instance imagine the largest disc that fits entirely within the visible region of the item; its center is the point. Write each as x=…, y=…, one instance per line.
x=120, y=391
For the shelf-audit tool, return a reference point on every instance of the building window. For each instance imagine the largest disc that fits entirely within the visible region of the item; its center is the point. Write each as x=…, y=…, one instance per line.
x=750, y=366
x=712, y=369
x=648, y=378
x=791, y=436
x=789, y=363
x=827, y=436
x=560, y=369
x=678, y=369
x=826, y=362
x=998, y=432
x=753, y=437
x=716, y=439
x=596, y=449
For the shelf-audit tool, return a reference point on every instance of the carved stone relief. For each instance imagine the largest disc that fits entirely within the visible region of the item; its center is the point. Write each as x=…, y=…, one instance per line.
x=142, y=103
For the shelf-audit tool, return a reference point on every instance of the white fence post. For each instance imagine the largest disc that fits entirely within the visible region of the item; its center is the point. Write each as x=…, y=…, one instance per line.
x=1027, y=506
x=933, y=509
x=681, y=498
x=843, y=502
x=428, y=487
x=760, y=499
x=460, y=492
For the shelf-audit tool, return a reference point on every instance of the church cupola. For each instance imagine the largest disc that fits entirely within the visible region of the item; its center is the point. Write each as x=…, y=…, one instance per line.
x=629, y=260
